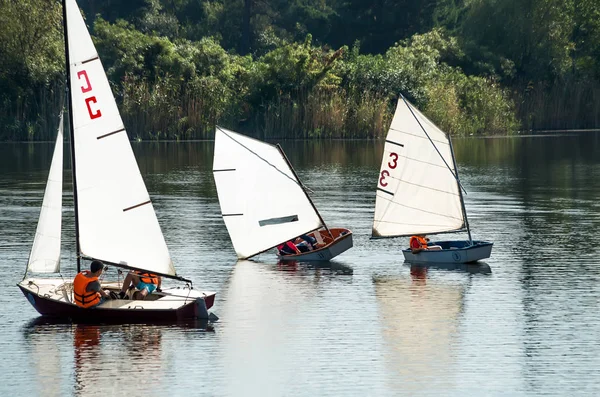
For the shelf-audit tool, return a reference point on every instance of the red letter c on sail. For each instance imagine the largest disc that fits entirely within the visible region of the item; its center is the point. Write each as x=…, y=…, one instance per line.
x=88, y=86
x=92, y=115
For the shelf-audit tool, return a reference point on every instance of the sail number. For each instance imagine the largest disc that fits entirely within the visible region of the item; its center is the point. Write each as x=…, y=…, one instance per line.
x=85, y=88
x=393, y=163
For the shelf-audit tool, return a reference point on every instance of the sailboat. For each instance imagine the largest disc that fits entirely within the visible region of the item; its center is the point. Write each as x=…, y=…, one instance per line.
x=115, y=221
x=419, y=192
x=263, y=202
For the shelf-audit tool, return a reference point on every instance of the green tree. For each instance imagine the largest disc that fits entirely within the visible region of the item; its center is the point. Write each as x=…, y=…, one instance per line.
x=31, y=66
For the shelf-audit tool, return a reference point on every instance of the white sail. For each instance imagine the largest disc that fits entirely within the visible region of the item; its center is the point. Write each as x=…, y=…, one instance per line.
x=45, y=252
x=417, y=192
x=262, y=202
x=117, y=222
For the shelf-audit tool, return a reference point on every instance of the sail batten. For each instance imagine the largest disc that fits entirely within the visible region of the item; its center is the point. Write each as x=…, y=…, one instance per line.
x=417, y=191
x=109, y=182
x=45, y=252
x=263, y=204
x=111, y=133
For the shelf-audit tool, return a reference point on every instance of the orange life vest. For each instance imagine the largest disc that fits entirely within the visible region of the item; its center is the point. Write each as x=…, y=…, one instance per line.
x=417, y=242
x=289, y=245
x=83, y=297
x=148, y=278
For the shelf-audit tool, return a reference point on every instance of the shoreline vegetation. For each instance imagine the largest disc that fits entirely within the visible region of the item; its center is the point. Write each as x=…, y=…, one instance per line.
x=298, y=70
x=520, y=134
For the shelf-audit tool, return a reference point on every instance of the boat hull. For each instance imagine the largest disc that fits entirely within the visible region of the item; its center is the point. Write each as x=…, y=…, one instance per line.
x=342, y=241
x=451, y=252
x=52, y=298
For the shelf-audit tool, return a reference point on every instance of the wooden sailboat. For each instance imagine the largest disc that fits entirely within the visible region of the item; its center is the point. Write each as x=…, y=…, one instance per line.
x=114, y=217
x=263, y=202
x=419, y=192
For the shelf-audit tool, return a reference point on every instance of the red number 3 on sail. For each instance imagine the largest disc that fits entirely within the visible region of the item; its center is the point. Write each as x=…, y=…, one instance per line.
x=394, y=162
x=384, y=173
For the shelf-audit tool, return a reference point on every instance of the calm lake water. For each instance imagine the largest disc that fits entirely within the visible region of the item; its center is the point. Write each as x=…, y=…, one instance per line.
x=526, y=322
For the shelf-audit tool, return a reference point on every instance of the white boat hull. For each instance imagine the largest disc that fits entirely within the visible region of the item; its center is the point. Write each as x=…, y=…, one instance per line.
x=452, y=252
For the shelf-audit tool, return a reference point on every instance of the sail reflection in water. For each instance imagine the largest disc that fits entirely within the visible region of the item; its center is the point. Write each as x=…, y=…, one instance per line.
x=113, y=359
x=42, y=342
x=421, y=317
x=280, y=329
x=140, y=354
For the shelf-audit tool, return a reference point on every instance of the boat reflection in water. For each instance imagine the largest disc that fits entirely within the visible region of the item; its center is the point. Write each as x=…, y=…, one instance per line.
x=320, y=268
x=421, y=316
x=472, y=268
x=287, y=317
x=95, y=362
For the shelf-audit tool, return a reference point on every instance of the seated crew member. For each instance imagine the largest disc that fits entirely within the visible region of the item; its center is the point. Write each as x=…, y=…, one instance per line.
x=305, y=243
x=288, y=248
x=87, y=291
x=419, y=242
x=146, y=283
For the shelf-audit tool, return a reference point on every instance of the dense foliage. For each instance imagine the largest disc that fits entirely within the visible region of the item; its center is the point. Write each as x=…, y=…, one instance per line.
x=311, y=68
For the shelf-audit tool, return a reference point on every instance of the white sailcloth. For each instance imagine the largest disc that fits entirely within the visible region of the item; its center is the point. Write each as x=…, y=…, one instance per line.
x=117, y=222
x=417, y=192
x=45, y=252
x=261, y=200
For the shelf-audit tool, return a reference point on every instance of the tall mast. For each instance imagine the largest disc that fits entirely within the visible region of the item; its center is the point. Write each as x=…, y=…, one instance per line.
x=71, y=133
x=304, y=190
x=462, y=201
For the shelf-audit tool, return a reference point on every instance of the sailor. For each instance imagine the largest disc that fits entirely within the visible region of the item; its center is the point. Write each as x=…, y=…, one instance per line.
x=146, y=283
x=86, y=287
x=305, y=243
x=419, y=243
x=288, y=248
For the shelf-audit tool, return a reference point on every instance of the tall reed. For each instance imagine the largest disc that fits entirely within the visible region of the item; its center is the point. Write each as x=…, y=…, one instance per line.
x=33, y=114
x=324, y=113
x=564, y=104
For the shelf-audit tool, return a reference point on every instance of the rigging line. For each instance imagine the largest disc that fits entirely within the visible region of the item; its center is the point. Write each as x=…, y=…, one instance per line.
x=389, y=206
x=412, y=234
x=420, y=186
x=282, y=153
x=462, y=201
x=301, y=185
x=435, y=147
x=125, y=266
x=418, y=209
x=419, y=224
x=417, y=136
x=420, y=161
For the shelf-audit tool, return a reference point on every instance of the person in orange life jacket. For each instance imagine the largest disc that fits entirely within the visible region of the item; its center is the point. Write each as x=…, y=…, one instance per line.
x=146, y=283
x=419, y=242
x=87, y=291
x=288, y=248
